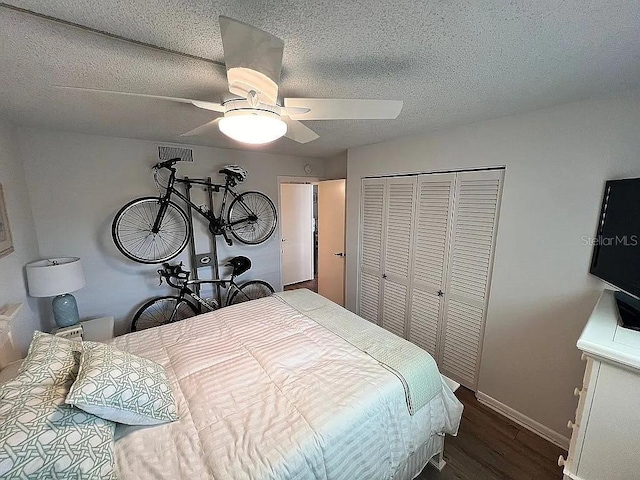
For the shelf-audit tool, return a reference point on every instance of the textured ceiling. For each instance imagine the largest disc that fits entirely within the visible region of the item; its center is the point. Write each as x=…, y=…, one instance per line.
x=452, y=62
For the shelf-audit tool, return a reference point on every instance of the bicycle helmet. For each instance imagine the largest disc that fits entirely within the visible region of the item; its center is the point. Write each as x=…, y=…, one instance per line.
x=240, y=265
x=235, y=171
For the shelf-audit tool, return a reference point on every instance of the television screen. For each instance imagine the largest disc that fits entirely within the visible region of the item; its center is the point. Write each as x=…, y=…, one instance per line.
x=616, y=251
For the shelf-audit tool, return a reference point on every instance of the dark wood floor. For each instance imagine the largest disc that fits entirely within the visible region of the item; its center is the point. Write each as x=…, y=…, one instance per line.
x=311, y=285
x=489, y=446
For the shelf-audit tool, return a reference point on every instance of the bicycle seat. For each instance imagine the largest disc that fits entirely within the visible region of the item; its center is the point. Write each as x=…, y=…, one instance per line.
x=235, y=172
x=240, y=265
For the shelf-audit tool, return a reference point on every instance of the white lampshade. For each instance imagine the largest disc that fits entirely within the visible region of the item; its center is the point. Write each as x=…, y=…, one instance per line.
x=55, y=276
x=254, y=128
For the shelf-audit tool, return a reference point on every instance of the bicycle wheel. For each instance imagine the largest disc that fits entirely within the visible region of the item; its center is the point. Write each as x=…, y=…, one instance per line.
x=250, y=290
x=131, y=231
x=252, y=217
x=159, y=311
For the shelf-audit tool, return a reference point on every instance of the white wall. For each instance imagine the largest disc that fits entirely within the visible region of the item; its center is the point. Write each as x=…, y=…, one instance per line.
x=78, y=182
x=12, y=275
x=336, y=167
x=556, y=163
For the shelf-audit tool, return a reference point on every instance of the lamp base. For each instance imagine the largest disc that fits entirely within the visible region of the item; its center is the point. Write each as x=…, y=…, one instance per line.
x=65, y=310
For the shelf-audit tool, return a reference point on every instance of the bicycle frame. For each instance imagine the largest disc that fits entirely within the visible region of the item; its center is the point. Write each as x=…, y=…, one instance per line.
x=186, y=290
x=210, y=216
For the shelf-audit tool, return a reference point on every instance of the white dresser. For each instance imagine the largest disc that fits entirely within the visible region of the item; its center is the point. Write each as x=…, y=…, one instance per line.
x=605, y=442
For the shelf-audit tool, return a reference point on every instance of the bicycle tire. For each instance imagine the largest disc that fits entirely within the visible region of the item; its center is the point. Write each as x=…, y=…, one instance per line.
x=251, y=290
x=132, y=235
x=157, y=311
x=252, y=232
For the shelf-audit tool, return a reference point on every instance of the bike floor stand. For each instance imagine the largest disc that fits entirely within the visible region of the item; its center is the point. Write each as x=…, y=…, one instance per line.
x=203, y=259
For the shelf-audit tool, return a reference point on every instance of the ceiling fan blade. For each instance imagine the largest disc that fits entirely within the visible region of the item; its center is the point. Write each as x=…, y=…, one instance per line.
x=216, y=107
x=345, y=109
x=293, y=110
x=253, y=59
x=202, y=129
x=298, y=131
x=198, y=103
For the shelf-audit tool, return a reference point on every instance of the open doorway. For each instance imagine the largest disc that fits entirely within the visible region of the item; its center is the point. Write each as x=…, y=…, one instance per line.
x=299, y=248
x=318, y=207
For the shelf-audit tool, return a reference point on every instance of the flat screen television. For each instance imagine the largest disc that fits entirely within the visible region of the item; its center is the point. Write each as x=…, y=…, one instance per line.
x=616, y=250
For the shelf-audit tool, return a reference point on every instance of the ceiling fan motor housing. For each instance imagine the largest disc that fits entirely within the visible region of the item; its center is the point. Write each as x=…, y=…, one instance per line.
x=240, y=106
x=244, y=80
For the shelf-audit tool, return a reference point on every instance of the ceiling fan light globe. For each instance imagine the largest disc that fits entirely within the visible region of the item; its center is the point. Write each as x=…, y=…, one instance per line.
x=252, y=128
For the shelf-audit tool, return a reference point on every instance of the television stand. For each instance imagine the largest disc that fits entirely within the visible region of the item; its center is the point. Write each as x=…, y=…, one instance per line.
x=629, y=310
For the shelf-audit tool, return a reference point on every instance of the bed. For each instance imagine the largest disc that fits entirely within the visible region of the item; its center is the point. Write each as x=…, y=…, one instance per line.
x=264, y=391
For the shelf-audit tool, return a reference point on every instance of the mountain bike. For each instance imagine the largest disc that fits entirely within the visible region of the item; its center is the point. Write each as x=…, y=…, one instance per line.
x=173, y=308
x=156, y=229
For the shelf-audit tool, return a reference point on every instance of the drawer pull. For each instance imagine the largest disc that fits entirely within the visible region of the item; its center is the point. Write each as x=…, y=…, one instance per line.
x=561, y=461
x=577, y=391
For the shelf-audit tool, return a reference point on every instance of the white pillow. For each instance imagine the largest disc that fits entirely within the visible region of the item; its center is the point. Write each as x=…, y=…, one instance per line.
x=122, y=387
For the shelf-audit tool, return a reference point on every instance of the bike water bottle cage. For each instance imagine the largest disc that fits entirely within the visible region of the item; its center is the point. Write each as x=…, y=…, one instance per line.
x=235, y=172
x=240, y=265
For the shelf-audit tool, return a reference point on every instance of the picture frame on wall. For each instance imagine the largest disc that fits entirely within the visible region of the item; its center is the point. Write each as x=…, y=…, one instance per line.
x=6, y=242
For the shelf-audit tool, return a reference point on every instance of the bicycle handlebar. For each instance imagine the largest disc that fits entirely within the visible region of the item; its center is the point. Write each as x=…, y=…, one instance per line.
x=169, y=272
x=166, y=163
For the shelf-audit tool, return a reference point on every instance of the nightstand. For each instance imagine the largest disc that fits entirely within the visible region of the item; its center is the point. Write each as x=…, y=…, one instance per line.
x=94, y=330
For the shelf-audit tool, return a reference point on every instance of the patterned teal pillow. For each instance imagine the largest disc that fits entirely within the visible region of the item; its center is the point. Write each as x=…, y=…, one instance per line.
x=51, y=360
x=40, y=436
x=122, y=387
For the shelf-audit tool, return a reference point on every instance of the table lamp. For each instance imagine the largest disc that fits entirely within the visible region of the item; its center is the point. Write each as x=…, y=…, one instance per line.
x=57, y=277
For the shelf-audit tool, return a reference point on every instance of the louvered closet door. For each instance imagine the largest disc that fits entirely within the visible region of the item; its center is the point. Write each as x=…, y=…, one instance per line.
x=397, y=252
x=371, y=243
x=477, y=202
x=434, y=212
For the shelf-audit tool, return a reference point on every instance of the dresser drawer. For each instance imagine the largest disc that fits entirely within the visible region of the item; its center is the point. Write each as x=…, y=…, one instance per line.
x=577, y=425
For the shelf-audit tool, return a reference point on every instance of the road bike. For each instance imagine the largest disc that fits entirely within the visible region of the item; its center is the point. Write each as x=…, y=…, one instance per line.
x=156, y=229
x=172, y=308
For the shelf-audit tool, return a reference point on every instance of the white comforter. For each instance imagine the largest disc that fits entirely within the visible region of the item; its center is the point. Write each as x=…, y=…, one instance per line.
x=265, y=392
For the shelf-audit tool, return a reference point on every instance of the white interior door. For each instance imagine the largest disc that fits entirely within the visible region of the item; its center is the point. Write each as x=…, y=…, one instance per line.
x=434, y=212
x=331, y=239
x=477, y=203
x=371, y=243
x=296, y=217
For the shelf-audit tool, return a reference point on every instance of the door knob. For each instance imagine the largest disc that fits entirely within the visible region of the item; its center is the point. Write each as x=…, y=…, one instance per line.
x=340, y=254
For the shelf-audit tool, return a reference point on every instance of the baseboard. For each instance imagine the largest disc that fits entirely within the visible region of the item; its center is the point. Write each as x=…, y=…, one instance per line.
x=528, y=423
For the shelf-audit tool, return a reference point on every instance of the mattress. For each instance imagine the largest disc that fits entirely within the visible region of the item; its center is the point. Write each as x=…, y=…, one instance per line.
x=265, y=392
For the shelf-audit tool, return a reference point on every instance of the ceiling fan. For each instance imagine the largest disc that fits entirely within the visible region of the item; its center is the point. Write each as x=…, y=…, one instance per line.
x=251, y=112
